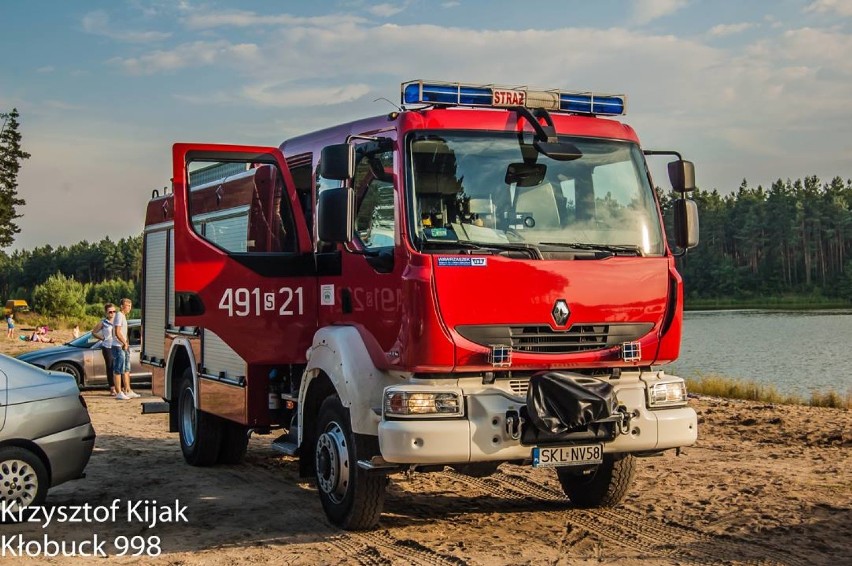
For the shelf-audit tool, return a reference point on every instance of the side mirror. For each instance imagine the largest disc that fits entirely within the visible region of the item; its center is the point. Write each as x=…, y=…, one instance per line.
x=685, y=223
x=337, y=162
x=335, y=213
x=682, y=175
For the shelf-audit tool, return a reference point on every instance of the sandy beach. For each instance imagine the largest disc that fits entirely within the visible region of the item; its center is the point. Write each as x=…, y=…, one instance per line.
x=765, y=484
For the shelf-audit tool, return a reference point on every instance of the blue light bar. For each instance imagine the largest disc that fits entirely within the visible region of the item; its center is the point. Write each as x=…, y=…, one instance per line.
x=588, y=103
x=420, y=93
x=493, y=96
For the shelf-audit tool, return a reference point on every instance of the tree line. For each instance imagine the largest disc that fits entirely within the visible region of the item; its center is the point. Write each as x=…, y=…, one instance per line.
x=54, y=280
x=793, y=239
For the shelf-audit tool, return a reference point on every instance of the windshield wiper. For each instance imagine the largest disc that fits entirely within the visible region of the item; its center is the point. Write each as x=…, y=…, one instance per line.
x=454, y=244
x=530, y=249
x=608, y=249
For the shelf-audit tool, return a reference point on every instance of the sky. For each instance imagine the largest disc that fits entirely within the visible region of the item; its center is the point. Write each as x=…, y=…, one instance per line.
x=757, y=90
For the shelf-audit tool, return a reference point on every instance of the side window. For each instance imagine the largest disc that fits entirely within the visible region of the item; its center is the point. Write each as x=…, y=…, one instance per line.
x=241, y=207
x=374, y=197
x=300, y=169
x=134, y=335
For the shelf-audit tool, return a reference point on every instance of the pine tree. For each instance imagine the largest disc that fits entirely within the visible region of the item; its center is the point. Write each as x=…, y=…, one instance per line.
x=11, y=156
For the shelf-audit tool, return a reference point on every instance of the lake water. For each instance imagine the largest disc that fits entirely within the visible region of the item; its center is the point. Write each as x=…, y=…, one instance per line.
x=794, y=351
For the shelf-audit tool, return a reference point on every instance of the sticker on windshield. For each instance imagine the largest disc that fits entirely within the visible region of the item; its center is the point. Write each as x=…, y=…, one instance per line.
x=456, y=261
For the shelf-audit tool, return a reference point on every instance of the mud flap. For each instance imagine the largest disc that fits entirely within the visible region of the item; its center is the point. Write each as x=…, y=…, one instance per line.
x=562, y=406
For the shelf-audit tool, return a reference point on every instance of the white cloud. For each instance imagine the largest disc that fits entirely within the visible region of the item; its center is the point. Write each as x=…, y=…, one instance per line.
x=46, y=69
x=280, y=95
x=199, y=20
x=839, y=7
x=723, y=30
x=196, y=54
x=385, y=10
x=98, y=23
x=285, y=94
x=820, y=48
x=645, y=11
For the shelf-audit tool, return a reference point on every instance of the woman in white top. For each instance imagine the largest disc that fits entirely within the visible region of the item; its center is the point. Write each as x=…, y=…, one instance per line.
x=105, y=331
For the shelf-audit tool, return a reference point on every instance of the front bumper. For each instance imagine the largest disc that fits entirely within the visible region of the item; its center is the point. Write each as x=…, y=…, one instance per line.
x=483, y=435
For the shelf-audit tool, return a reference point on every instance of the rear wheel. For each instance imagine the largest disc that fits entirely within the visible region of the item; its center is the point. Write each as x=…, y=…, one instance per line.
x=234, y=443
x=200, y=432
x=23, y=478
x=604, y=486
x=70, y=369
x=351, y=497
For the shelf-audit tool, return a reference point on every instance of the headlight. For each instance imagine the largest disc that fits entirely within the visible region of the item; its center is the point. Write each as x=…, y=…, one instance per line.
x=667, y=394
x=421, y=403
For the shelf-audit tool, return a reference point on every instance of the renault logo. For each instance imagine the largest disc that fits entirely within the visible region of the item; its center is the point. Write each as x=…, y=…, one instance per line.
x=560, y=312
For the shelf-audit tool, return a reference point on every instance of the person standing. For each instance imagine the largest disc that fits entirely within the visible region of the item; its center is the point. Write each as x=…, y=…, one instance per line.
x=104, y=330
x=10, y=325
x=121, y=352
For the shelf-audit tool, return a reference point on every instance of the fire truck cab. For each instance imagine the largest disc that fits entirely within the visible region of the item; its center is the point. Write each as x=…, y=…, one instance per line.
x=482, y=277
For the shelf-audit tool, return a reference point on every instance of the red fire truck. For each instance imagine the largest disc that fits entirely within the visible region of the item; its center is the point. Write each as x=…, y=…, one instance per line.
x=479, y=278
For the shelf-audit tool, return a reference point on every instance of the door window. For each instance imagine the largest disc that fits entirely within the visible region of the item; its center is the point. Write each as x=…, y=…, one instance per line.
x=375, y=224
x=241, y=207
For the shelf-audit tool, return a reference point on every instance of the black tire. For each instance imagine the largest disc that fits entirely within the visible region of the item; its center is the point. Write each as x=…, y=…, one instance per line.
x=200, y=433
x=604, y=486
x=23, y=478
x=70, y=369
x=234, y=443
x=351, y=497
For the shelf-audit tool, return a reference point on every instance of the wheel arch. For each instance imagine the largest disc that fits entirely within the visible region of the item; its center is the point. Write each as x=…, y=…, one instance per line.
x=80, y=368
x=180, y=358
x=339, y=355
x=31, y=446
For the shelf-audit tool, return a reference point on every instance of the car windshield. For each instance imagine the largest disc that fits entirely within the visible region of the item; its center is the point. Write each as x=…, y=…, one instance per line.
x=493, y=189
x=84, y=341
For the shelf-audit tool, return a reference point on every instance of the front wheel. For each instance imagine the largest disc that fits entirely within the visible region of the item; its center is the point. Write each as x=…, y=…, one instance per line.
x=23, y=479
x=603, y=486
x=200, y=433
x=351, y=497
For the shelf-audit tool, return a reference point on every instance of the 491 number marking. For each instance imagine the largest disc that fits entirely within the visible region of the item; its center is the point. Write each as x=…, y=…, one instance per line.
x=251, y=302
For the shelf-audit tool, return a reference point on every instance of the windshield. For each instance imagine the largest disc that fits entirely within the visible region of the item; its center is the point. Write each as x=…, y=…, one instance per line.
x=84, y=341
x=495, y=190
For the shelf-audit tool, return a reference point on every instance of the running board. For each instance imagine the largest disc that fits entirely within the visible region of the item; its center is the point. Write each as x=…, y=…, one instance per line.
x=286, y=446
x=377, y=463
x=153, y=407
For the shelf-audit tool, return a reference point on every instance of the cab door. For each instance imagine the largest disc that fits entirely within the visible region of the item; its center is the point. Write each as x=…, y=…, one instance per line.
x=244, y=271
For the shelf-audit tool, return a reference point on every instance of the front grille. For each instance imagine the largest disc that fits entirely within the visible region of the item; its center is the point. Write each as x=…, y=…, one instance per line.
x=542, y=339
x=519, y=386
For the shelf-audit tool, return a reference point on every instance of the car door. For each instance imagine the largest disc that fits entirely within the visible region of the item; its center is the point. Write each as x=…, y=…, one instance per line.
x=134, y=334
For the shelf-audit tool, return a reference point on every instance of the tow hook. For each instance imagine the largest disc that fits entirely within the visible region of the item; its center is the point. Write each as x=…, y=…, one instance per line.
x=513, y=424
x=624, y=423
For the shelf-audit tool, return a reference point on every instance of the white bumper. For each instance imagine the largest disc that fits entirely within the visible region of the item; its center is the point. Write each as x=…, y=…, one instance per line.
x=482, y=436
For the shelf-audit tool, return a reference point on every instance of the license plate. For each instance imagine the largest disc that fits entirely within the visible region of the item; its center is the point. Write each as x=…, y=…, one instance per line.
x=550, y=457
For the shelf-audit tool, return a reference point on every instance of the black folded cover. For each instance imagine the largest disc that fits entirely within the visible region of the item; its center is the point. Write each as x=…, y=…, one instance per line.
x=558, y=402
